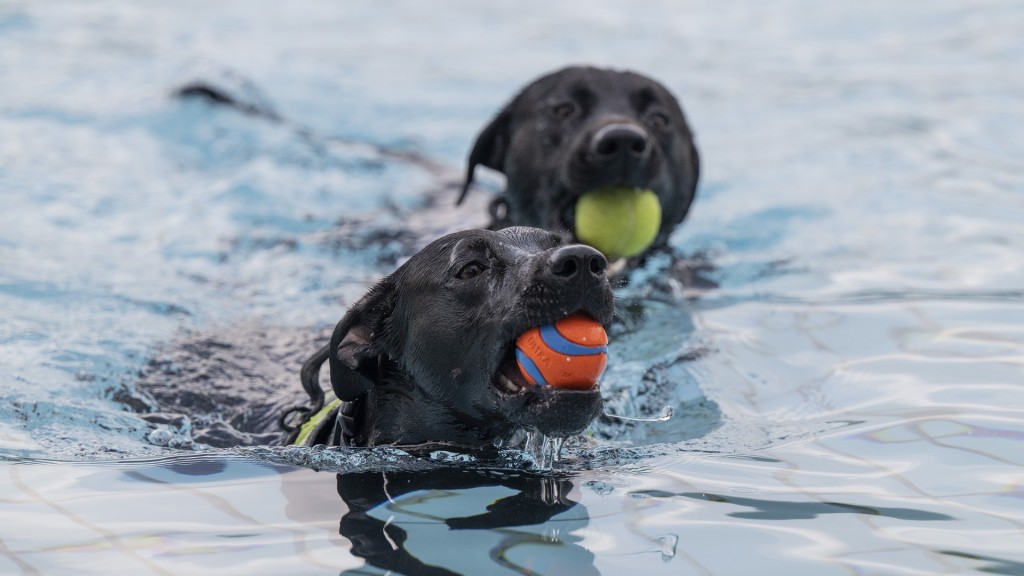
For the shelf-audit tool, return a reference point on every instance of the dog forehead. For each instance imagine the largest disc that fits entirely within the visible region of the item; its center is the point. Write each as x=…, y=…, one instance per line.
x=527, y=240
x=586, y=82
x=507, y=243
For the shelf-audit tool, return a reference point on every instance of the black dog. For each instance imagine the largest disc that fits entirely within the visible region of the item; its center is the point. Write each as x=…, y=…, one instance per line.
x=567, y=133
x=581, y=129
x=427, y=355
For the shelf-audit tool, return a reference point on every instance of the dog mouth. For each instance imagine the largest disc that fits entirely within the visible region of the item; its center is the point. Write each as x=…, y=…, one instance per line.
x=565, y=211
x=620, y=221
x=563, y=336
x=511, y=381
x=554, y=411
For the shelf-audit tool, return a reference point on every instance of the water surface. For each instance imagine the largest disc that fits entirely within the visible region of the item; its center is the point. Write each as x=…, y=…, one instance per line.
x=849, y=396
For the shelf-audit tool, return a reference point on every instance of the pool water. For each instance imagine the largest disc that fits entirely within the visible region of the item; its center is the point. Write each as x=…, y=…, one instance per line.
x=847, y=396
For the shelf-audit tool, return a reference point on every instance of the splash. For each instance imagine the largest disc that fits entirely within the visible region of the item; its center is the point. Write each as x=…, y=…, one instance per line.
x=666, y=414
x=545, y=451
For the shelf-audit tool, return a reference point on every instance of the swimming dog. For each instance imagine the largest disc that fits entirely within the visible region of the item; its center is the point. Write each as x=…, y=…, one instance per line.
x=583, y=129
x=428, y=354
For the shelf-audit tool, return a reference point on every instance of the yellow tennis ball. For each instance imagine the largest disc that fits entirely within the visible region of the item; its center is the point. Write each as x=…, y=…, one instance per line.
x=618, y=221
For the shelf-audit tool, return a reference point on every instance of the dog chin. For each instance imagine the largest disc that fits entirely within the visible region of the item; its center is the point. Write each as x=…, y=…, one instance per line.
x=561, y=413
x=552, y=411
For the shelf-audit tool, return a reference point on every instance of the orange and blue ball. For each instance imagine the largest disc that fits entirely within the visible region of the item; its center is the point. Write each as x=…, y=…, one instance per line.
x=571, y=353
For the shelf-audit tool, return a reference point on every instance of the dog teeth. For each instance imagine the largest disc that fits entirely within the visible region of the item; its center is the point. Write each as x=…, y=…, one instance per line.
x=507, y=384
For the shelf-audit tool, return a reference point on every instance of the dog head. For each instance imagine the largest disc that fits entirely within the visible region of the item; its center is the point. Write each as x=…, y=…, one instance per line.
x=432, y=345
x=582, y=129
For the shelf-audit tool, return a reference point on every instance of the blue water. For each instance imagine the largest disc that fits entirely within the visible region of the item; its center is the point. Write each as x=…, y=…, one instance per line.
x=852, y=400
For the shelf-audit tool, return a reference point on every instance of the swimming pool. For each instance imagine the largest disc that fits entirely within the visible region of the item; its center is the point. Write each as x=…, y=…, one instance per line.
x=854, y=400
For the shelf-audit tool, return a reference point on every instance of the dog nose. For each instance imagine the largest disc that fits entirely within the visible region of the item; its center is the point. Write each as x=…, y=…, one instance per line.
x=620, y=140
x=577, y=260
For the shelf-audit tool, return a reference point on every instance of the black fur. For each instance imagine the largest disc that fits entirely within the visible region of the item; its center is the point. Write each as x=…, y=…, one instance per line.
x=419, y=353
x=580, y=129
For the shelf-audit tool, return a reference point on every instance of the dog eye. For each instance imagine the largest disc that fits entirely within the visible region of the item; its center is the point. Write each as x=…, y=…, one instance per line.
x=657, y=120
x=563, y=110
x=471, y=270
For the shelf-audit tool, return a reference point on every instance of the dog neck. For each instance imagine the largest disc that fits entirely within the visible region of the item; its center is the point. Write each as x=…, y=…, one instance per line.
x=397, y=412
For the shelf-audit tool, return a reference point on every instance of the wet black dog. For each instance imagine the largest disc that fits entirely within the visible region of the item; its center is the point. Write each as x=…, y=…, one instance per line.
x=567, y=133
x=581, y=129
x=427, y=355
x=201, y=375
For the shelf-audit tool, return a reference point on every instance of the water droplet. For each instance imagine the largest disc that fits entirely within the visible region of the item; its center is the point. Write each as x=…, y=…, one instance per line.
x=666, y=545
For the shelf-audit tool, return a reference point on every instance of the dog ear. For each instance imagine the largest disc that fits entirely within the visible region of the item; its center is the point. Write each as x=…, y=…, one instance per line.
x=489, y=149
x=356, y=344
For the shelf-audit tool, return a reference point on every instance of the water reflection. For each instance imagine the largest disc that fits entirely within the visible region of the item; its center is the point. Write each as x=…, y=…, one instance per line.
x=992, y=565
x=470, y=520
x=795, y=510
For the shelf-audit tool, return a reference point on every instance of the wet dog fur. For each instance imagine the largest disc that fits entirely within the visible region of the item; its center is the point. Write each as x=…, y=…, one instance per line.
x=581, y=129
x=428, y=353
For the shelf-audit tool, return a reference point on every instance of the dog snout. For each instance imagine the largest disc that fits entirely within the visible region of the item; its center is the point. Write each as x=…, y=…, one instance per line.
x=620, y=141
x=577, y=263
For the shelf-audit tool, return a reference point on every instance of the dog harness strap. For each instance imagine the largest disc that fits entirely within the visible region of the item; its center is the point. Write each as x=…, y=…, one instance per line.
x=334, y=424
x=345, y=423
x=310, y=429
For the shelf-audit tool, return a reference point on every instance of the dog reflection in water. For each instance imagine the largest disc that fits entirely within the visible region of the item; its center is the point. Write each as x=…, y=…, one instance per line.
x=464, y=521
